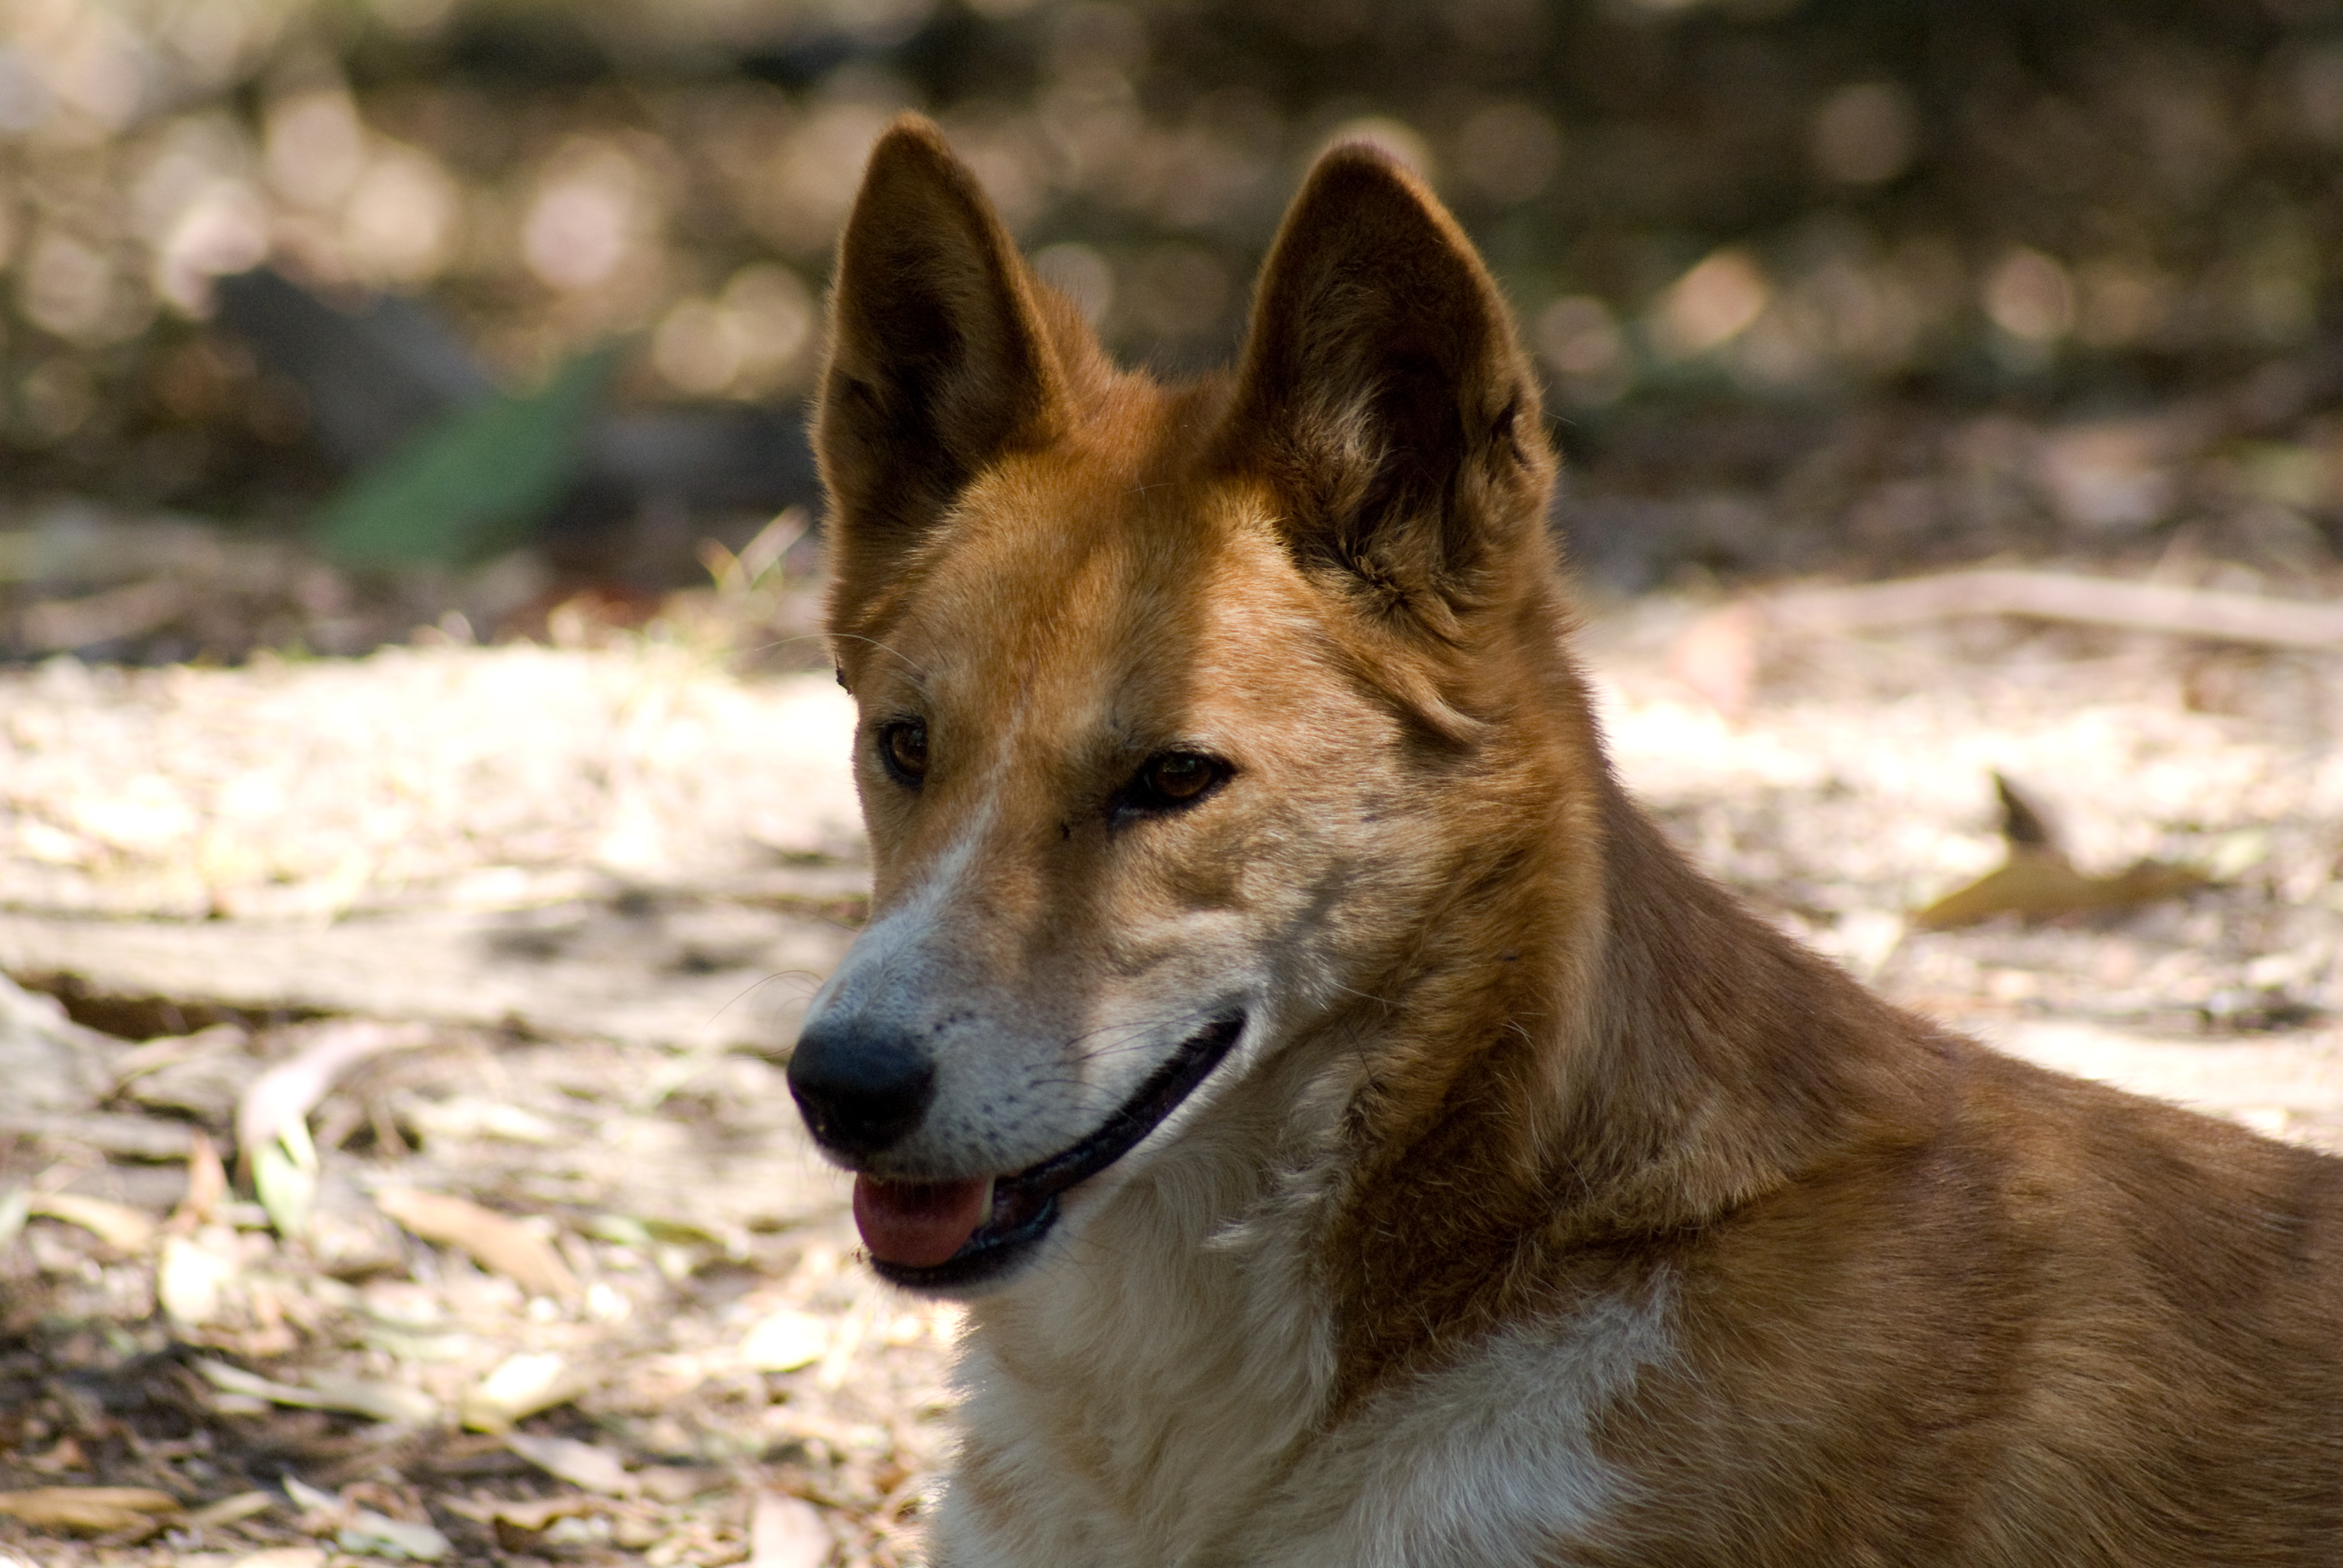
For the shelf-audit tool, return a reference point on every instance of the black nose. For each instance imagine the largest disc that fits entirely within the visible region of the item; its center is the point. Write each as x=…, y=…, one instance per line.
x=862, y=1089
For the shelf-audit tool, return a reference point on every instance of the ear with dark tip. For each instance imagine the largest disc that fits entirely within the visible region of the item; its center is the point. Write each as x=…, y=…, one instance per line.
x=1384, y=393
x=939, y=358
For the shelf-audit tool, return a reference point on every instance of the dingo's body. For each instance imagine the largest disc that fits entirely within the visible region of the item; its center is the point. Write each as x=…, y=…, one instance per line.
x=1363, y=1140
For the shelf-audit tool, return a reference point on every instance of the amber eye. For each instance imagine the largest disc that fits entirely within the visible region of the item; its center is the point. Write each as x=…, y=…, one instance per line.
x=1182, y=776
x=1174, y=780
x=903, y=746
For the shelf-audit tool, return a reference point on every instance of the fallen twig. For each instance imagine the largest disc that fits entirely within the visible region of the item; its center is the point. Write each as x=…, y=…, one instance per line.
x=1718, y=656
x=58, y=625
x=272, y=1128
x=89, y=1510
x=2167, y=608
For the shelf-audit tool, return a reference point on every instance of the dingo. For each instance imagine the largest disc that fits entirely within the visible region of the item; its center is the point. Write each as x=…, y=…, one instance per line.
x=1361, y=1140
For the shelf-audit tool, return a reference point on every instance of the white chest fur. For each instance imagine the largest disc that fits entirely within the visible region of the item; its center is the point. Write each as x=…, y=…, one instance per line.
x=1127, y=1402
x=1489, y=1463
x=1148, y=1415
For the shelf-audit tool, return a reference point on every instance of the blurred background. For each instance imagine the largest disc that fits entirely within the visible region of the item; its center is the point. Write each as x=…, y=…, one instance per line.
x=1831, y=286
x=393, y=1148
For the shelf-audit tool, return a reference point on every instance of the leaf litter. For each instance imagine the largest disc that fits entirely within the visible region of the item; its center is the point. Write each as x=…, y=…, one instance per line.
x=286, y=1282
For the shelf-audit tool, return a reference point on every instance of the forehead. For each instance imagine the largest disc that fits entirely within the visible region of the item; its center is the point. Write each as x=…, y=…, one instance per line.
x=1057, y=586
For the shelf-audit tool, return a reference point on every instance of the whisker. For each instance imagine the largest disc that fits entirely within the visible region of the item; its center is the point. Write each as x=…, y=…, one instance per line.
x=918, y=675
x=813, y=984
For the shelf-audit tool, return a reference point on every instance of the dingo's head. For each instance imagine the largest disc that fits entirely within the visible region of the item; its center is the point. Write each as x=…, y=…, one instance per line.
x=1187, y=714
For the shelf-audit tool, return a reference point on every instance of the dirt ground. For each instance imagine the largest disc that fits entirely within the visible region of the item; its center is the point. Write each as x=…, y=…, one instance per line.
x=474, y=963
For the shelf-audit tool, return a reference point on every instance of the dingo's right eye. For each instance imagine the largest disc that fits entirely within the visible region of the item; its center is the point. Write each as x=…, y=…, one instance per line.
x=903, y=748
x=1170, y=781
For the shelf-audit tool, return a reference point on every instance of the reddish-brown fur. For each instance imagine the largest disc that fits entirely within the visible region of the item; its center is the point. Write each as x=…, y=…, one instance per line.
x=1926, y=1304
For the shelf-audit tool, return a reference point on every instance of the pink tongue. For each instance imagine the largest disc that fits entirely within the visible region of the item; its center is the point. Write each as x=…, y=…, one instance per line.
x=919, y=1224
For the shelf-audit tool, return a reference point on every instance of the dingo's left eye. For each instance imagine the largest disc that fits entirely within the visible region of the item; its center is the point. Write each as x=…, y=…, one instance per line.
x=1174, y=780
x=903, y=746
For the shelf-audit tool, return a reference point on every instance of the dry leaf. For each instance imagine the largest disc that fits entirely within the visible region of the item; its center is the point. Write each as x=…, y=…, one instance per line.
x=362, y=1532
x=531, y=1513
x=2042, y=887
x=675, y=1483
x=2039, y=882
x=652, y=1230
x=784, y=1341
x=580, y=1463
x=89, y=1510
x=467, y=1117
x=369, y=1533
x=15, y=1205
x=285, y=1175
x=377, y=1400
x=495, y=1240
x=206, y=1183
x=113, y=1223
x=191, y=1281
x=283, y=1557
x=321, y=1510
x=520, y=1386
x=66, y=1455
x=228, y=1510
x=389, y=1402
x=787, y=1531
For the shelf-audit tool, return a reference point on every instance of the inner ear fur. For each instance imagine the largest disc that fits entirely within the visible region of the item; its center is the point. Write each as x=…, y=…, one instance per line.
x=944, y=354
x=1384, y=395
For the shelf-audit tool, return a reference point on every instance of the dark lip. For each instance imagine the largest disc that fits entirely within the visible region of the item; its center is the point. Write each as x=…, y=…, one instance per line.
x=1025, y=1205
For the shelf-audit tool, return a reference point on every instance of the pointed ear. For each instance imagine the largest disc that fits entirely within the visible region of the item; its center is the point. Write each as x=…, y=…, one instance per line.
x=939, y=357
x=1384, y=393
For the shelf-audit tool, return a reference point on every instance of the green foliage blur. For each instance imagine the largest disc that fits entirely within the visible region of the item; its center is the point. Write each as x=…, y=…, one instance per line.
x=473, y=484
x=1759, y=199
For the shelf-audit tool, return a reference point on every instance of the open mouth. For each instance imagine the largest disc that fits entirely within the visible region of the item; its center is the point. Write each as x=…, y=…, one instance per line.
x=912, y=1219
